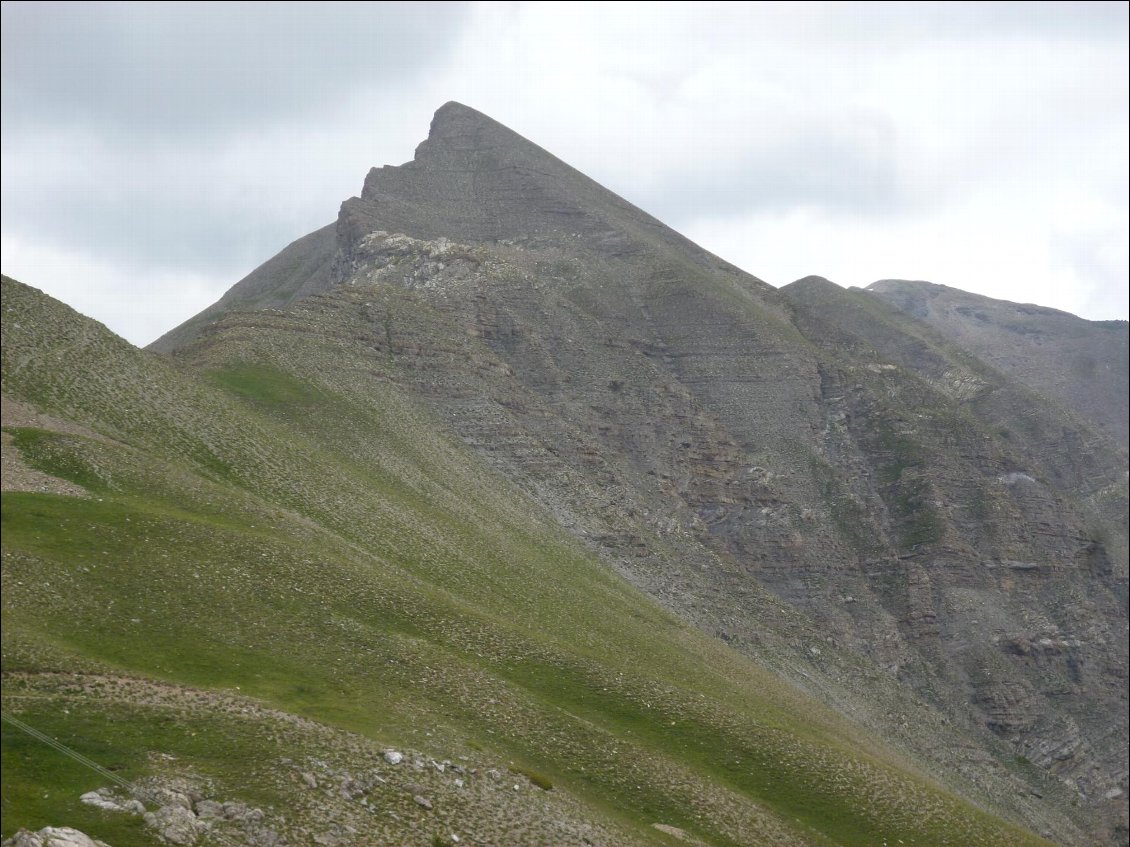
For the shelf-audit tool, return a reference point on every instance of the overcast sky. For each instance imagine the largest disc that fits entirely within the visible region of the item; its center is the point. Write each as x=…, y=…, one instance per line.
x=155, y=154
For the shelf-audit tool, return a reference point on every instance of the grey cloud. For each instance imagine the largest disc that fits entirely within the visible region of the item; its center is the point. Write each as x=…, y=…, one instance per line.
x=117, y=119
x=1062, y=19
x=1098, y=260
x=142, y=207
x=893, y=22
x=176, y=70
x=845, y=166
x=200, y=233
x=869, y=28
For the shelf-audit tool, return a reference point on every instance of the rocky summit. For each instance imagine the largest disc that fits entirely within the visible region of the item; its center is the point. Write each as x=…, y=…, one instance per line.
x=497, y=512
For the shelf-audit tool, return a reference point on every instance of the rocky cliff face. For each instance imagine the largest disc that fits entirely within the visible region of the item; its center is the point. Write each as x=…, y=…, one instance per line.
x=871, y=495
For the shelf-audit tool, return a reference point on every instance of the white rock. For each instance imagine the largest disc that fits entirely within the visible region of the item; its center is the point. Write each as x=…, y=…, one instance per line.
x=393, y=757
x=52, y=836
x=209, y=810
x=23, y=838
x=65, y=836
x=175, y=824
x=93, y=798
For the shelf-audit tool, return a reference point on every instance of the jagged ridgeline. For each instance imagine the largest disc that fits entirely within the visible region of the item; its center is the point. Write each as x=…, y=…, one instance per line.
x=498, y=511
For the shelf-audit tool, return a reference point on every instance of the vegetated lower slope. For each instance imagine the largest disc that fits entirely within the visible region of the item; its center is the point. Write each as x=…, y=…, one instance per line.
x=297, y=530
x=1078, y=363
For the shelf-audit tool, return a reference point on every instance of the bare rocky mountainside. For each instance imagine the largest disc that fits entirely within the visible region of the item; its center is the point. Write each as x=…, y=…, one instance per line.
x=1079, y=364
x=499, y=471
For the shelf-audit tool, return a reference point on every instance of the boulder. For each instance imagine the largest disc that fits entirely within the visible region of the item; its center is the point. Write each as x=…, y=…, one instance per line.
x=175, y=824
x=52, y=836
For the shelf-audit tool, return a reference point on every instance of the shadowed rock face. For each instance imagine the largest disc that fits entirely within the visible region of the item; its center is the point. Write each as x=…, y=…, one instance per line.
x=847, y=486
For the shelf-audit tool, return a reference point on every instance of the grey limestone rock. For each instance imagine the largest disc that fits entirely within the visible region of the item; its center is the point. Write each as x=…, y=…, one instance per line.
x=52, y=836
x=175, y=824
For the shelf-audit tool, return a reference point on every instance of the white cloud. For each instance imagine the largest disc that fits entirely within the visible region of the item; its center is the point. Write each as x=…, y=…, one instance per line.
x=99, y=290
x=1071, y=262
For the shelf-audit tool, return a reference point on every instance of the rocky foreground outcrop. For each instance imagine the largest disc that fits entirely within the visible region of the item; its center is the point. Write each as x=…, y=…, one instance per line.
x=53, y=836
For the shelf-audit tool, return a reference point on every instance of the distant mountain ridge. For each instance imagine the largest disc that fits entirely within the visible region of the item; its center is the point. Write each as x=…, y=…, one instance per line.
x=1078, y=363
x=896, y=503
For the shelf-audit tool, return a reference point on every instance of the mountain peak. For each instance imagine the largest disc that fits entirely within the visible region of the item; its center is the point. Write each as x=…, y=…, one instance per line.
x=474, y=180
x=811, y=281
x=1079, y=363
x=462, y=139
x=471, y=181
x=453, y=118
x=455, y=108
x=813, y=287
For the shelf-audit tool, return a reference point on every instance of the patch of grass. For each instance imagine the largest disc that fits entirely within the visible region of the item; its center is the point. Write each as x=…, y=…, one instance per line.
x=848, y=514
x=770, y=760
x=52, y=453
x=905, y=488
x=267, y=386
x=540, y=780
x=42, y=785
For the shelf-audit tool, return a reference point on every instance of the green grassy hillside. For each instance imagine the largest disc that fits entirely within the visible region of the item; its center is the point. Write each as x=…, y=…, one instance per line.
x=307, y=544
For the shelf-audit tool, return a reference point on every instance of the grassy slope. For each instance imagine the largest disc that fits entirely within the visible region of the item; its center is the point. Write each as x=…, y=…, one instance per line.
x=315, y=541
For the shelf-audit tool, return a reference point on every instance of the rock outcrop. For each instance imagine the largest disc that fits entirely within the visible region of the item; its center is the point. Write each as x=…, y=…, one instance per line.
x=52, y=836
